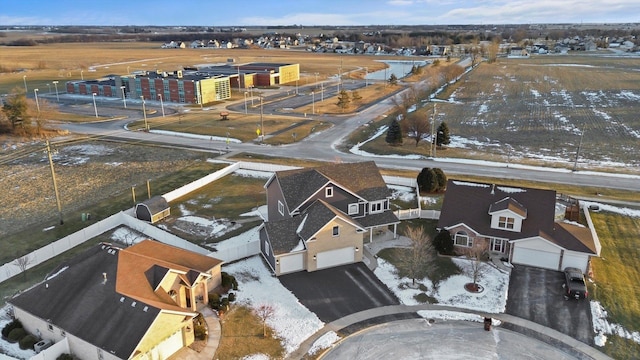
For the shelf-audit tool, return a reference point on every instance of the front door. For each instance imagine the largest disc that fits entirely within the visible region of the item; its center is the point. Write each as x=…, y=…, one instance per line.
x=497, y=245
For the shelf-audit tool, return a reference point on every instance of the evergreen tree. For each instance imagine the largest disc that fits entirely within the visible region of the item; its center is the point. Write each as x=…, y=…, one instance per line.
x=441, y=179
x=343, y=99
x=427, y=181
x=394, y=133
x=443, y=243
x=15, y=109
x=393, y=79
x=442, y=134
x=355, y=96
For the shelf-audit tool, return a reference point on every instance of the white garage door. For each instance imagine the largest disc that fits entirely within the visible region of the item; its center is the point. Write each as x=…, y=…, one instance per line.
x=335, y=257
x=168, y=347
x=291, y=263
x=537, y=258
x=579, y=261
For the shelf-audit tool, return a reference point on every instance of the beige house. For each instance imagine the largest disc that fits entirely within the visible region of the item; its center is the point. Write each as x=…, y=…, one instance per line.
x=112, y=303
x=321, y=217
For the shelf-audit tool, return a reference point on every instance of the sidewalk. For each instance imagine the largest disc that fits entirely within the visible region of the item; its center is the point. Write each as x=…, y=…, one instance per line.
x=213, y=339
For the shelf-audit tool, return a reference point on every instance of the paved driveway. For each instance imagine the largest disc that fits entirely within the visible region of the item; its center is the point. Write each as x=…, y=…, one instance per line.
x=340, y=291
x=537, y=295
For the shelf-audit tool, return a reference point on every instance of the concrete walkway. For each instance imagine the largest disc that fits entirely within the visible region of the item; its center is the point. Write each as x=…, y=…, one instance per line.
x=521, y=325
x=213, y=339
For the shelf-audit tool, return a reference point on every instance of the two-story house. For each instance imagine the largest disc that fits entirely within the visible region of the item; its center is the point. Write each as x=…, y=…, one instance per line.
x=518, y=224
x=320, y=217
x=112, y=303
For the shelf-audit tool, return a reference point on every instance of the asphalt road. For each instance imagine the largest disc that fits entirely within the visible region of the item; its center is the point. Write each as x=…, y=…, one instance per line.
x=537, y=295
x=442, y=340
x=324, y=147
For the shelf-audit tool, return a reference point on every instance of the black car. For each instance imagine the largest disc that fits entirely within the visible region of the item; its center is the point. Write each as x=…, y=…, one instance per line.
x=574, y=284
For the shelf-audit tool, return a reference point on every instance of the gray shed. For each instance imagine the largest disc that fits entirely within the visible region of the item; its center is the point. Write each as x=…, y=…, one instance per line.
x=153, y=210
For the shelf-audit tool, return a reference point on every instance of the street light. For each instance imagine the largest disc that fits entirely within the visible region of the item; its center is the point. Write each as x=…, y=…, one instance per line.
x=81, y=75
x=24, y=78
x=35, y=92
x=313, y=102
x=55, y=83
x=245, y=102
x=261, y=121
x=95, y=108
x=322, y=91
x=144, y=113
x=251, y=94
x=124, y=97
x=49, y=85
x=161, y=104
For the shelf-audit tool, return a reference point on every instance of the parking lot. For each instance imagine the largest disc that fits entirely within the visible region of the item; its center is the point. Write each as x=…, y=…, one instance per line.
x=340, y=291
x=537, y=295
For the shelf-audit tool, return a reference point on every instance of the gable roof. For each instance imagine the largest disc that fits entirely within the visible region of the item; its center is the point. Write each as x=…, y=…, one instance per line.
x=285, y=235
x=363, y=179
x=142, y=267
x=469, y=203
x=78, y=298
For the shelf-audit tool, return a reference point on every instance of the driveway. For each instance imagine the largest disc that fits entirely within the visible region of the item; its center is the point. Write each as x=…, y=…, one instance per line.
x=537, y=295
x=337, y=292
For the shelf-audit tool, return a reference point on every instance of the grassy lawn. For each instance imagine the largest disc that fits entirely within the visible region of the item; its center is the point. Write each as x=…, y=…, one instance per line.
x=242, y=336
x=25, y=241
x=372, y=93
x=616, y=274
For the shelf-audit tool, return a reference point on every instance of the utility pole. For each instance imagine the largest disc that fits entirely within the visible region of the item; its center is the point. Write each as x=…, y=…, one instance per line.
x=433, y=139
x=261, y=121
x=55, y=185
x=575, y=164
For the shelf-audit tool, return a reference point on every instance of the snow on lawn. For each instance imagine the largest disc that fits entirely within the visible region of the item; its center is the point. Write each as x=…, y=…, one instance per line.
x=603, y=328
x=292, y=322
x=402, y=193
x=324, y=342
x=451, y=291
x=614, y=209
x=6, y=347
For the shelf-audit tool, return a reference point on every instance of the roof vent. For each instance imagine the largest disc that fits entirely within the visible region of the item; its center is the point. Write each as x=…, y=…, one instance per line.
x=122, y=299
x=133, y=304
x=493, y=189
x=104, y=276
x=145, y=308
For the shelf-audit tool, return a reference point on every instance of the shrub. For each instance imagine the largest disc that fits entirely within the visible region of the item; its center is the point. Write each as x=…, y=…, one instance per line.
x=27, y=342
x=443, y=243
x=10, y=326
x=64, y=357
x=232, y=297
x=214, y=301
x=16, y=334
x=229, y=281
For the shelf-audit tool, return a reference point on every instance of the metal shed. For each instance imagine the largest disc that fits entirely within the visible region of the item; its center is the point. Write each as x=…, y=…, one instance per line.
x=153, y=210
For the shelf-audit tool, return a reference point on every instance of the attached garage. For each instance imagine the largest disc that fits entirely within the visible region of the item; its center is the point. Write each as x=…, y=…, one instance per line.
x=168, y=347
x=335, y=257
x=536, y=252
x=291, y=263
x=574, y=259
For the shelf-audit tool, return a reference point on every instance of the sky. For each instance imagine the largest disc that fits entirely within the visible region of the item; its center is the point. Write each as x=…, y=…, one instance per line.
x=315, y=12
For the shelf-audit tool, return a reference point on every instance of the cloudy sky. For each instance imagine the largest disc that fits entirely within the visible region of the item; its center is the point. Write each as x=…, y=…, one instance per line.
x=315, y=12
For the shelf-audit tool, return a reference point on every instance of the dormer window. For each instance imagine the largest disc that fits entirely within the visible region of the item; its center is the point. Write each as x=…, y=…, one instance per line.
x=505, y=222
x=353, y=209
x=376, y=207
x=173, y=294
x=328, y=192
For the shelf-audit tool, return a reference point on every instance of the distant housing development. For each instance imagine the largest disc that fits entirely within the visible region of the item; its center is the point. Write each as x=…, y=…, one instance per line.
x=193, y=85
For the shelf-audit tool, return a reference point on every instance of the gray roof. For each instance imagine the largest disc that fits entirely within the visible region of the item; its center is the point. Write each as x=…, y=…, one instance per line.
x=469, y=203
x=362, y=179
x=156, y=204
x=282, y=234
x=80, y=302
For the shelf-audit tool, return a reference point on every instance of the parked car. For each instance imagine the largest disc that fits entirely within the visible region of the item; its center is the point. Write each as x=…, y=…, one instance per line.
x=574, y=284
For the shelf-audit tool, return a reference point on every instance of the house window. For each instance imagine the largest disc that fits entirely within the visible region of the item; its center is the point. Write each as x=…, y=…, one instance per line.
x=50, y=327
x=353, y=209
x=376, y=207
x=462, y=239
x=280, y=207
x=336, y=230
x=506, y=222
x=266, y=248
x=328, y=192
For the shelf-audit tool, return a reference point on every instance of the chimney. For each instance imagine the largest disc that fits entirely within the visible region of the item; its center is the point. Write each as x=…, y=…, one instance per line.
x=104, y=275
x=493, y=189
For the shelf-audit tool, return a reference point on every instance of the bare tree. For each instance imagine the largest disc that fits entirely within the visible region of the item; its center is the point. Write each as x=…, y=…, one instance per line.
x=475, y=254
x=421, y=255
x=23, y=263
x=417, y=127
x=264, y=312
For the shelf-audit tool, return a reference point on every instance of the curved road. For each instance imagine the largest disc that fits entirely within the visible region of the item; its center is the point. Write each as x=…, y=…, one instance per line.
x=324, y=147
